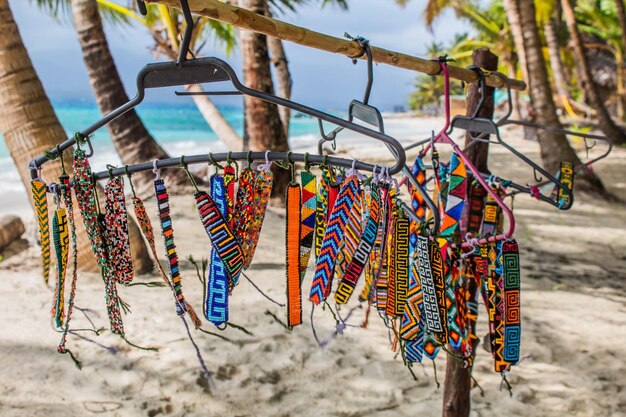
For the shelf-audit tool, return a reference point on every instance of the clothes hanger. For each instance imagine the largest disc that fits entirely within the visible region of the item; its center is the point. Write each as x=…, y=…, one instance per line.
x=370, y=115
x=443, y=137
x=484, y=126
x=206, y=70
x=505, y=120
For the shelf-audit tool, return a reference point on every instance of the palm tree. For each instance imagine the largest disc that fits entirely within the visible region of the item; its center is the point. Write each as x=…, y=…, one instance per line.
x=554, y=146
x=263, y=128
x=610, y=129
x=30, y=127
x=165, y=26
x=599, y=19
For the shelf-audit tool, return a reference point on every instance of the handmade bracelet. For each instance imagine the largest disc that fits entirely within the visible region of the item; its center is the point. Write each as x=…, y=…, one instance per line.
x=292, y=237
x=455, y=198
x=369, y=291
x=472, y=283
x=229, y=185
x=167, y=231
x=221, y=236
x=60, y=237
x=385, y=300
x=361, y=256
x=307, y=219
x=217, y=281
x=320, y=212
x=417, y=204
x=351, y=236
x=40, y=199
x=451, y=279
x=412, y=325
x=94, y=225
x=324, y=269
x=512, y=323
x=116, y=220
x=401, y=266
x=245, y=206
x=497, y=287
x=263, y=189
x=66, y=196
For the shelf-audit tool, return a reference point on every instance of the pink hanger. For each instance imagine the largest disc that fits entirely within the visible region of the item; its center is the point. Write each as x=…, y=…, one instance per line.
x=443, y=137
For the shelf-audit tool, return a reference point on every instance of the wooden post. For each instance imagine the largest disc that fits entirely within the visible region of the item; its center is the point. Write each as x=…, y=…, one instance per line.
x=458, y=381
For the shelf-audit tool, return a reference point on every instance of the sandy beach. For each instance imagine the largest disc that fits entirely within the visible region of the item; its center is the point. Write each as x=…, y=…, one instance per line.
x=573, y=321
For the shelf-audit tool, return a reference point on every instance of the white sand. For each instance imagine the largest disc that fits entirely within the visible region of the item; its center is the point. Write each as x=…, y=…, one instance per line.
x=573, y=308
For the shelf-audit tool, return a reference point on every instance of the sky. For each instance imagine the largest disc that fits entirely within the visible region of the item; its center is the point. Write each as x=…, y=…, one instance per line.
x=320, y=79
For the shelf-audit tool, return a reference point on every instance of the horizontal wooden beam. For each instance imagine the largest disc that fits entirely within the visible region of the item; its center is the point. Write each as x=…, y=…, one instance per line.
x=245, y=19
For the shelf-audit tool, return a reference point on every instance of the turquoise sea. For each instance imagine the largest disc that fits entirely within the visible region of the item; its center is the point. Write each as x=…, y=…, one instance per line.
x=179, y=127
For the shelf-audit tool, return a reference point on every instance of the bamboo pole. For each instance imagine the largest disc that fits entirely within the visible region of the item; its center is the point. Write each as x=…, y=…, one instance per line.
x=245, y=19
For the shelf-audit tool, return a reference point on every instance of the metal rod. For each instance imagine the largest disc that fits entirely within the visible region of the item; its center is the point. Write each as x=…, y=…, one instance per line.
x=252, y=156
x=207, y=93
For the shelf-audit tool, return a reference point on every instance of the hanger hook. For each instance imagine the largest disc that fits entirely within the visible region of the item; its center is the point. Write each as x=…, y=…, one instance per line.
x=249, y=158
x=110, y=169
x=538, y=178
x=482, y=84
x=155, y=168
x=184, y=44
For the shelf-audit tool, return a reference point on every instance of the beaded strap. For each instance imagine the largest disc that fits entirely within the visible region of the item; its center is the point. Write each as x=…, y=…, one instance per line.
x=361, y=255
x=497, y=284
x=472, y=283
x=94, y=225
x=222, y=238
x=381, y=274
x=512, y=324
x=324, y=269
x=148, y=232
x=293, y=232
x=38, y=189
x=245, y=206
x=566, y=176
x=388, y=305
x=167, y=231
x=412, y=325
x=110, y=288
x=307, y=222
x=116, y=219
x=401, y=265
x=351, y=236
x=216, y=286
x=320, y=212
x=455, y=200
x=451, y=280
x=60, y=237
x=229, y=185
x=66, y=196
x=437, y=269
x=263, y=189
x=374, y=262
x=417, y=204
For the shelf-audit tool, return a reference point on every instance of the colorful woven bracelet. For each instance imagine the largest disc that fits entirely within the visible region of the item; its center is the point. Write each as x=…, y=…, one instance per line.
x=512, y=324
x=361, y=256
x=245, y=206
x=455, y=199
x=307, y=219
x=40, y=198
x=66, y=195
x=221, y=236
x=116, y=220
x=325, y=267
x=351, y=236
x=60, y=237
x=263, y=189
x=293, y=233
x=217, y=282
x=401, y=265
x=167, y=231
x=320, y=213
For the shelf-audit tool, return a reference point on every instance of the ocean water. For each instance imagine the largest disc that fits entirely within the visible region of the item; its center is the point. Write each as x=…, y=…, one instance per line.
x=178, y=127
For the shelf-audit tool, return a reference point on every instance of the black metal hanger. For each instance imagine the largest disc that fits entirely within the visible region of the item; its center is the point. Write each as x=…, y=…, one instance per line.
x=484, y=127
x=207, y=70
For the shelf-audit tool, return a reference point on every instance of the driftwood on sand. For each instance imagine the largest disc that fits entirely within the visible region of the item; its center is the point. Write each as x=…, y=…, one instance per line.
x=11, y=229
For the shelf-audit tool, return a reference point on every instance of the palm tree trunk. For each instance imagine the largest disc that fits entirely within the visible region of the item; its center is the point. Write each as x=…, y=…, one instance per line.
x=30, y=127
x=554, y=146
x=610, y=129
x=511, y=8
x=130, y=137
x=621, y=17
x=263, y=128
x=283, y=78
x=216, y=120
x=558, y=73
